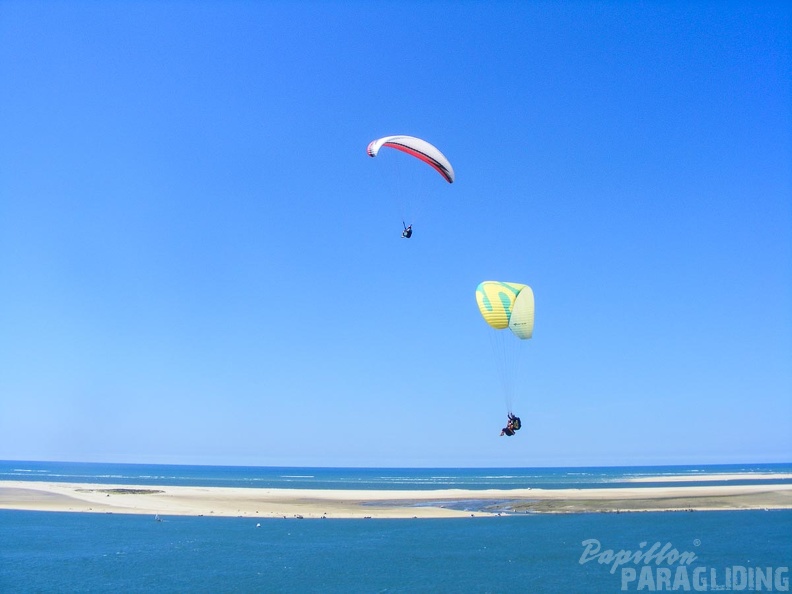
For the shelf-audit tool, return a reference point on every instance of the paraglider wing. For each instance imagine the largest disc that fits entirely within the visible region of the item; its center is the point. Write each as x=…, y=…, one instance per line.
x=420, y=149
x=496, y=302
x=507, y=305
x=521, y=322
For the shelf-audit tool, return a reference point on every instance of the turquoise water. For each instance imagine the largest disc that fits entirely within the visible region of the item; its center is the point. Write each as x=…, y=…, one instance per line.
x=63, y=552
x=370, y=478
x=75, y=552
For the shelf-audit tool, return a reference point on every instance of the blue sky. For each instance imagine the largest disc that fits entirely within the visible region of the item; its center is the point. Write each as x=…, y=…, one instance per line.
x=199, y=263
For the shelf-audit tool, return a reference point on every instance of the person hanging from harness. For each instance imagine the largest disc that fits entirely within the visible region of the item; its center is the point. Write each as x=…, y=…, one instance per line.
x=407, y=233
x=515, y=422
x=512, y=425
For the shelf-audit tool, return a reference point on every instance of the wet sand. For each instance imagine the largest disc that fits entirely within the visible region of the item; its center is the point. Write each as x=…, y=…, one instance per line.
x=441, y=503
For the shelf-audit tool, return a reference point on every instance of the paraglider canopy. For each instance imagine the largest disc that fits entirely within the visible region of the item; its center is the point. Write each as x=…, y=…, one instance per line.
x=507, y=305
x=420, y=149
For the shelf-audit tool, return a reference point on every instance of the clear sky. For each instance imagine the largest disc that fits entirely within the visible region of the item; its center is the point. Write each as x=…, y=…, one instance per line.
x=200, y=264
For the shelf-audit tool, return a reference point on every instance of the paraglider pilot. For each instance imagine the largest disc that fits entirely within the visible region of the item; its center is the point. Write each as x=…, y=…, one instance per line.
x=512, y=425
x=407, y=233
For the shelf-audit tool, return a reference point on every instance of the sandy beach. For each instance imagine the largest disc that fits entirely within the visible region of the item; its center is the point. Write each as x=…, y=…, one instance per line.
x=443, y=503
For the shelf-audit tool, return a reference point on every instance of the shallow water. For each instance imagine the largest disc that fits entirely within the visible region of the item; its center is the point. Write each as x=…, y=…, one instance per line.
x=75, y=552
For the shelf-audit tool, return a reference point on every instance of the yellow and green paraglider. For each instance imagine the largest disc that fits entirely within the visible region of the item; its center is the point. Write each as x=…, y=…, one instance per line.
x=507, y=306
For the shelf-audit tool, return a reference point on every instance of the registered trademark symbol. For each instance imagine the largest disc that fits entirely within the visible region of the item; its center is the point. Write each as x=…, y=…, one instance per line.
x=696, y=542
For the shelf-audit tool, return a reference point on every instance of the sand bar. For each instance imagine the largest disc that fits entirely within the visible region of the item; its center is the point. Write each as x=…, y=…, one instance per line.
x=319, y=503
x=706, y=478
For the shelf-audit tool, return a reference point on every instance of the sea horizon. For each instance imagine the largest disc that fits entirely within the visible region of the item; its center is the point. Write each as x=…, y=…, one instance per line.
x=57, y=551
x=393, y=478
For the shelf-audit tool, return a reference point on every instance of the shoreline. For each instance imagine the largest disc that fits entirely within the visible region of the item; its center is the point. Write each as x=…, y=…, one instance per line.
x=348, y=504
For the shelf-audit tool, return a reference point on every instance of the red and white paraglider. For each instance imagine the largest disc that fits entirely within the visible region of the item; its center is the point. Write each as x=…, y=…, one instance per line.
x=421, y=150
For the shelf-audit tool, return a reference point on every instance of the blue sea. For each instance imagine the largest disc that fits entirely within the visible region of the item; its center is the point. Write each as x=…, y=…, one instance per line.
x=595, y=552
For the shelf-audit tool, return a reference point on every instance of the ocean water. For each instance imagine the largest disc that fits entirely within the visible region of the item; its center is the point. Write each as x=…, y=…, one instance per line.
x=671, y=551
x=71, y=552
x=374, y=478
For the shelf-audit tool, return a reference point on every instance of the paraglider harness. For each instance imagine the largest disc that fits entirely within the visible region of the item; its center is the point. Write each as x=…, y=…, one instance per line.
x=407, y=233
x=515, y=422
